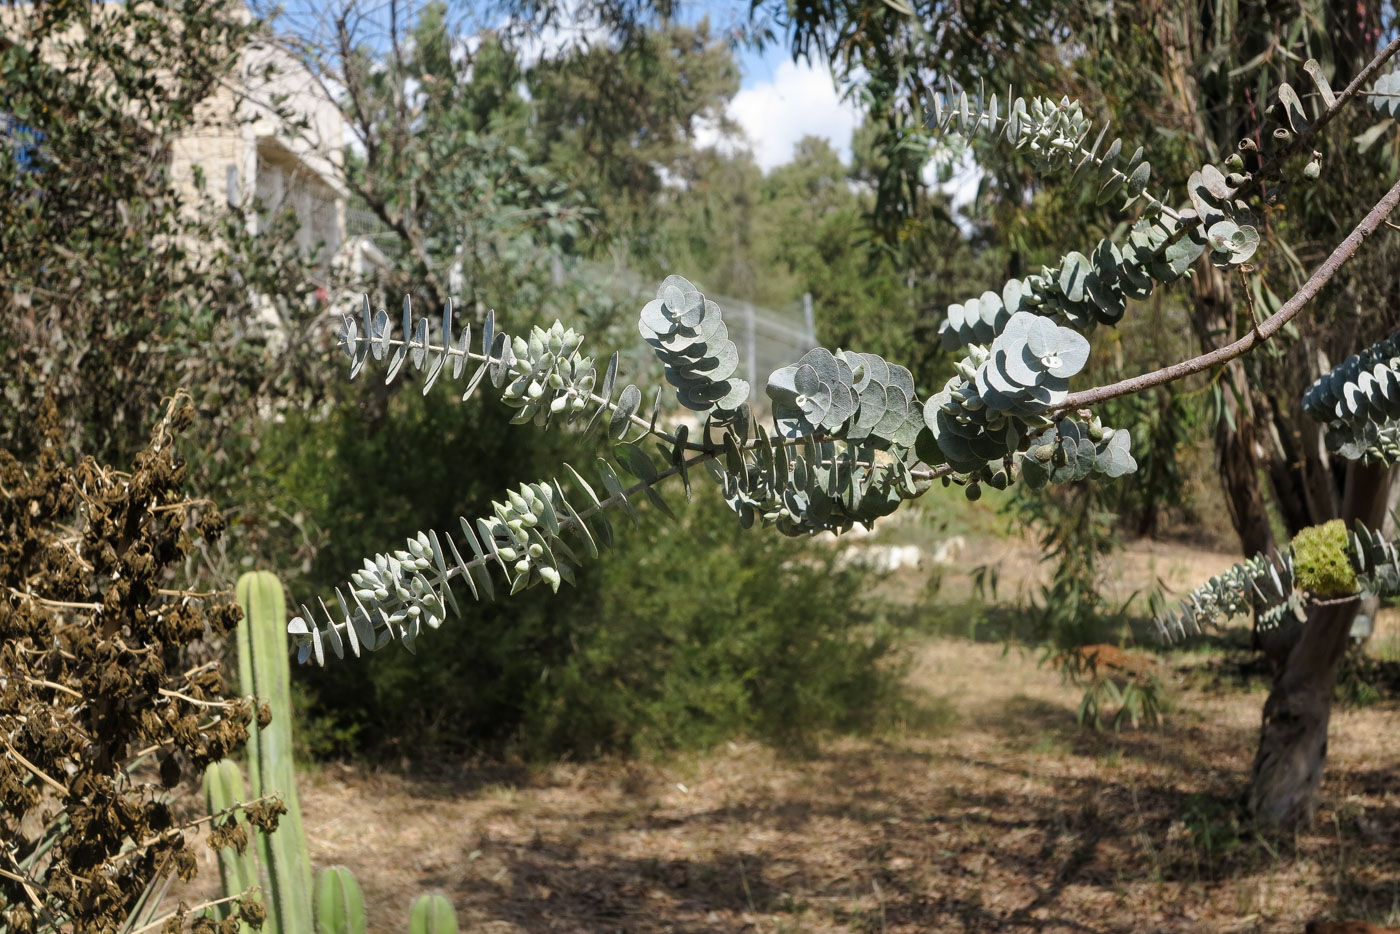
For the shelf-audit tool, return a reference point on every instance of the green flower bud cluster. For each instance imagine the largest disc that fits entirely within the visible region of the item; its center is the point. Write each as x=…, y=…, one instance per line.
x=524, y=534
x=1368, y=442
x=546, y=377
x=1073, y=450
x=1322, y=561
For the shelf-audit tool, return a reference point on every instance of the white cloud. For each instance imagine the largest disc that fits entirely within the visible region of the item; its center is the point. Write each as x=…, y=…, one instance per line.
x=800, y=100
x=571, y=29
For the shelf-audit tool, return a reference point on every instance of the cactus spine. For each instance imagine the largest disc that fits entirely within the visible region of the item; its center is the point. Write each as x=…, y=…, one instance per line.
x=340, y=906
x=264, y=671
x=432, y=914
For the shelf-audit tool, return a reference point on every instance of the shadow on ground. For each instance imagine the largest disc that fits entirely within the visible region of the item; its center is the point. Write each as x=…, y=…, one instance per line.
x=1016, y=820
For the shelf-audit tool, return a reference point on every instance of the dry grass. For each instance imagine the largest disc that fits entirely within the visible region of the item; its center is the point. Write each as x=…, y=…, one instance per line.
x=994, y=813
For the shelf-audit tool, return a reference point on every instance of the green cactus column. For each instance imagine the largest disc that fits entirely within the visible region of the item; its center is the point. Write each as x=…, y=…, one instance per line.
x=432, y=914
x=238, y=871
x=340, y=906
x=265, y=671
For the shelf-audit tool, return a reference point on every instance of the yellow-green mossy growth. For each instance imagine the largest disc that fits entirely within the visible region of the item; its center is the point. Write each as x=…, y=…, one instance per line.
x=1322, y=560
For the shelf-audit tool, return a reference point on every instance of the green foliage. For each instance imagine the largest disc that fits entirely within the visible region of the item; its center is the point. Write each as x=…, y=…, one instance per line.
x=1337, y=563
x=432, y=914
x=462, y=210
x=1322, y=563
x=1078, y=533
x=119, y=284
x=316, y=466
x=783, y=646
x=536, y=534
x=1092, y=290
x=339, y=903
x=1359, y=402
x=616, y=120
x=540, y=675
x=1135, y=702
x=263, y=672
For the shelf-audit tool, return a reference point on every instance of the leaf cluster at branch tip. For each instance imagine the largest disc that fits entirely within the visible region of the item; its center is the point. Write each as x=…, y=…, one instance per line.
x=859, y=397
x=1359, y=402
x=688, y=333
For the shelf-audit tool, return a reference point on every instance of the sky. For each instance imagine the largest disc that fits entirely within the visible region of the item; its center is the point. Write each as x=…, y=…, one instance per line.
x=780, y=102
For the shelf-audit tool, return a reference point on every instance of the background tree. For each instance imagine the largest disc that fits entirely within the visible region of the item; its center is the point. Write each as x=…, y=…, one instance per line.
x=1201, y=82
x=90, y=201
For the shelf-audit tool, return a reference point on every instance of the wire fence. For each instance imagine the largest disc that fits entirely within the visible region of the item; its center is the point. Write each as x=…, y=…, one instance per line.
x=766, y=338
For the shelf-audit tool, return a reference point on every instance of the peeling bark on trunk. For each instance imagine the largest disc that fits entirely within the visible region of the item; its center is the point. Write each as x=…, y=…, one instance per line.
x=1288, y=767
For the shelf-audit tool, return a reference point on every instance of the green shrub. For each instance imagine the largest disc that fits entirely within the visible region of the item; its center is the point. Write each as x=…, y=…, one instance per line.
x=713, y=632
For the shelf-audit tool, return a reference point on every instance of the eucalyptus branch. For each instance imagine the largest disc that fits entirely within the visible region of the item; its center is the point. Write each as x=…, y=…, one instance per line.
x=1086, y=291
x=485, y=359
x=1300, y=141
x=1266, y=329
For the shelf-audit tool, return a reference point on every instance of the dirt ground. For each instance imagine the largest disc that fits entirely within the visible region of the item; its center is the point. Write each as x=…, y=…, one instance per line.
x=991, y=811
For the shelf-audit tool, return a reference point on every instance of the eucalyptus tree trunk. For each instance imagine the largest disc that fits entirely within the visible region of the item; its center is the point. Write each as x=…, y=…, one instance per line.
x=1260, y=447
x=1287, y=774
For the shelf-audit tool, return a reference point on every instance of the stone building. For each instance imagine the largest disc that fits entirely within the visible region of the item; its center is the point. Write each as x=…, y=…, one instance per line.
x=271, y=135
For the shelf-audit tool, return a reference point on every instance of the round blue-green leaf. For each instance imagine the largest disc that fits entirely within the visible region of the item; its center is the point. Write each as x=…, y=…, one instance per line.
x=1073, y=271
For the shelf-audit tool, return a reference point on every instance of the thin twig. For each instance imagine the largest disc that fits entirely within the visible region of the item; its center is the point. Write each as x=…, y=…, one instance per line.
x=40, y=682
x=61, y=604
x=27, y=884
x=1249, y=299
x=166, y=692
x=192, y=910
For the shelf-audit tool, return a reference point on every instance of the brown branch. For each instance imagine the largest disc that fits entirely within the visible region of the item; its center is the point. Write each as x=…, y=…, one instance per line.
x=1266, y=329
